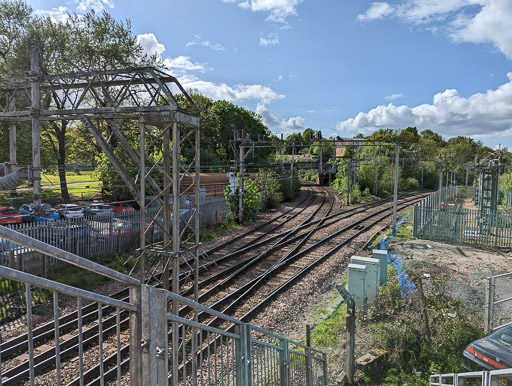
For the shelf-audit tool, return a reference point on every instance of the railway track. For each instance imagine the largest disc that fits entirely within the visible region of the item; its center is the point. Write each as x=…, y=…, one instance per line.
x=273, y=262
x=358, y=227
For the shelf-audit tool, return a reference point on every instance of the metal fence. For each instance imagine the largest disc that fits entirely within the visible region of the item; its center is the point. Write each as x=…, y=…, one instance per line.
x=93, y=235
x=206, y=347
x=498, y=302
x=89, y=334
x=169, y=339
x=483, y=378
x=445, y=220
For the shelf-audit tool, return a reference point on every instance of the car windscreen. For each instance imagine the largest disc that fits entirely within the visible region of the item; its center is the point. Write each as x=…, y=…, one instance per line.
x=502, y=337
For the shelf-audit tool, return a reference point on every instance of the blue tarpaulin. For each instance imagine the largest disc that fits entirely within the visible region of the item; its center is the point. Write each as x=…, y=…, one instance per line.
x=406, y=284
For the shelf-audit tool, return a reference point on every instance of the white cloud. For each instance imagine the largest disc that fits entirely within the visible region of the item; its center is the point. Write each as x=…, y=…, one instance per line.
x=377, y=10
x=470, y=21
x=488, y=114
x=267, y=118
x=493, y=24
x=184, y=63
x=198, y=41
x=271, y=40
x=241, y=92
x=96, y=5
x=392, y=97
x=150, y=44
x=59, y=14
x=292, y=125
x=278, y=10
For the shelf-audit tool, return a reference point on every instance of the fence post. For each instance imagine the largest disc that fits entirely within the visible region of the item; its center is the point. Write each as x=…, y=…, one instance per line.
x=135, y=337
x=351, y=332
x=308, y=359
x=243, y=354
x=326, y=376
x=162, y=350
x=149, y=327
x=246, y=359
x=309, y=367
x=111, y=232
x=489, y=303
x=284, y=362
x=239, y=357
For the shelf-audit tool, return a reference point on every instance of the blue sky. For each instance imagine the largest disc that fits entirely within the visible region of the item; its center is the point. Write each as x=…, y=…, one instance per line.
x=340, y=66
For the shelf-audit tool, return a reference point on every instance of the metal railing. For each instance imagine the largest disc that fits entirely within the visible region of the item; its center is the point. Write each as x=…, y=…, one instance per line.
x=498, y=302
x=484, y=378
x=222, y=351
x=170, y=339
x=93, y=235
x=86, y=336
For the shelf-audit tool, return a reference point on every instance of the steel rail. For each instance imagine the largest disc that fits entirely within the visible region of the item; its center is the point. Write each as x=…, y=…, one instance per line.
x=287, y=233
x=45, y=331
x=90, y=314
x=108, y=373
x=293, y=279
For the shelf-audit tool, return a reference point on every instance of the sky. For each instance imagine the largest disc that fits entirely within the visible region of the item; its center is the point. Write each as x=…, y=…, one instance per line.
x=340, y=66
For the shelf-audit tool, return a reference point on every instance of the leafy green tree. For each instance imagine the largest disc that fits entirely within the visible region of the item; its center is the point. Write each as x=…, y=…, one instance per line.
x=82, y=43
x=15, y=16
x=268, y=184
x=229, y=119
x=293, y=139
x=327, y=150
x=250, y=203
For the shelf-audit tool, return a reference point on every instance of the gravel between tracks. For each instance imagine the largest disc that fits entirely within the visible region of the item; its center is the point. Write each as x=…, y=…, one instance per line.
x=291, y=311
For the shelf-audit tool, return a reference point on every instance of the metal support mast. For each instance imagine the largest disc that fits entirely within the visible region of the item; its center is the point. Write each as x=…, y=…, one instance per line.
x=36, y=127
x=395, y=190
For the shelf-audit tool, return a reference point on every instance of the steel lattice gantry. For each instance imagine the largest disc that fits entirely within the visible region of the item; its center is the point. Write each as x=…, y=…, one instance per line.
x=133, y=113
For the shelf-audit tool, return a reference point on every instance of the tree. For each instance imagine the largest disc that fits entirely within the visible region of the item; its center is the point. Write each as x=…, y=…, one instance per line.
x=294, y=138
x=327, y=150
x=14, y=18
x=228, y=119
x=83, y=43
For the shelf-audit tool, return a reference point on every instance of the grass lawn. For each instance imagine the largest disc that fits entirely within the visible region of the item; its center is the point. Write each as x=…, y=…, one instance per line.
x=81, y=191
x=84, y=191
x=53, y=178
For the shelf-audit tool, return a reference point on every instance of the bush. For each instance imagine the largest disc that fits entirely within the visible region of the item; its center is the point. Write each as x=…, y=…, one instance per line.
x=401, y=331
x=310, y=175
x=251, y=199
x=272, y=195
x=289, y=187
